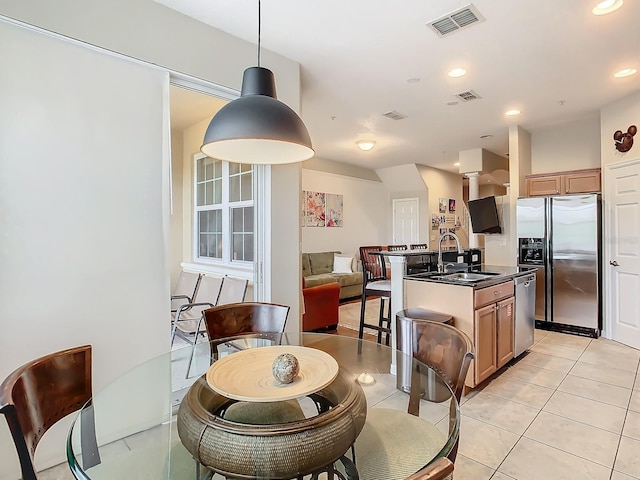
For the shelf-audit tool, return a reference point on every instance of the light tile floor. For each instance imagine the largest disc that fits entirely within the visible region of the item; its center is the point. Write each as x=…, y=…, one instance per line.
x=567, y=410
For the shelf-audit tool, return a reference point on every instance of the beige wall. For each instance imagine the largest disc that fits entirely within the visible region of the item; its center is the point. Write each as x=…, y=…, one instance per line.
x=446, y=185
x=176, y=221
x=568, y=146
x=367, y=207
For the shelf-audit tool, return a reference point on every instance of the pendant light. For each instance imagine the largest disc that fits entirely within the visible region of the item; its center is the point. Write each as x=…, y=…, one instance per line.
x=257, y=128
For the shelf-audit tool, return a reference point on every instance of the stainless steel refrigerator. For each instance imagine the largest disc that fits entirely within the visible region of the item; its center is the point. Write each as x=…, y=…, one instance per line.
x=561, y=237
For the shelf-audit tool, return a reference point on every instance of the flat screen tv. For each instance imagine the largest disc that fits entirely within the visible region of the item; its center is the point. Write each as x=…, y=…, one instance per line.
x=484, y=215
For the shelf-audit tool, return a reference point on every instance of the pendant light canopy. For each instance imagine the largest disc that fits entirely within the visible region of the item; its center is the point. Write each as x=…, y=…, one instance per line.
x=257, y=128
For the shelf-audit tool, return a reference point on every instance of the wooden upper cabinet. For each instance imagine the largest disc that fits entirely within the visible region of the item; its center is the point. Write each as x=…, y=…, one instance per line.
x=563, y=183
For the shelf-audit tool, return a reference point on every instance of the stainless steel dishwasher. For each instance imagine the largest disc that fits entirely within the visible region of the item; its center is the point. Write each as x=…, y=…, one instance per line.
x=524, y=320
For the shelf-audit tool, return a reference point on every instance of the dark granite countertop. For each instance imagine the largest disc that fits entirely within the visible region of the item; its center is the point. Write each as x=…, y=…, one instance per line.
x=495, y=274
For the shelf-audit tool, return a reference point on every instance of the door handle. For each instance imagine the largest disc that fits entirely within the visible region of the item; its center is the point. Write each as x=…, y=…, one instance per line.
x=614, y=263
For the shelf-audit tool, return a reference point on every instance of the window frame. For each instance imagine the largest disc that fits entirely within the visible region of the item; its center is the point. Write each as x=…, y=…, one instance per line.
x=226, y=261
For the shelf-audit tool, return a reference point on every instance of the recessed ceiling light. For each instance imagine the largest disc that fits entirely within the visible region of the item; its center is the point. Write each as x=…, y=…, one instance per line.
x=511, y=113
x=457, y=72
x=457, y=164
x=413, y=80
x=606, y=6
x=625, y=72
x=366, y=145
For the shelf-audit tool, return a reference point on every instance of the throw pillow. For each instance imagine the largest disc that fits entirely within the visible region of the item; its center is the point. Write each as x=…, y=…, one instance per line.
x=341, y=264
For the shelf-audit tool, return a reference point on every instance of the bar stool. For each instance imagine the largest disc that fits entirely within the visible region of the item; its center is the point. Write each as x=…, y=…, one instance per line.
x=375, y=283
x=396, y=248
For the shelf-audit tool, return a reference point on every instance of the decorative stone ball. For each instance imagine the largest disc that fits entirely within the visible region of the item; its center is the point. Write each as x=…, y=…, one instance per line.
x=285, y=368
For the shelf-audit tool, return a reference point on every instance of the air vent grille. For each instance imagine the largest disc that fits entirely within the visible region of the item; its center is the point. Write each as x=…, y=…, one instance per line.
x=455, y=21
x=467, y=96
x=393, y=115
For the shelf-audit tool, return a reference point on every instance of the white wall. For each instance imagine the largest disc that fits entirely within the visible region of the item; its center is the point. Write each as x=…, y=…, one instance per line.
x=84, y=209
x=367, y=208
x=568, y=146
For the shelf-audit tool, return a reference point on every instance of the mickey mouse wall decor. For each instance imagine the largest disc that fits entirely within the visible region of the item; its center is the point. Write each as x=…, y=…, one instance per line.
x=624, y=141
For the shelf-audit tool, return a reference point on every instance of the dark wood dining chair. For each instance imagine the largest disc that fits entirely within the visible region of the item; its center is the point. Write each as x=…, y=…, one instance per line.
x=449, y=352
x=419, y=246
x=236, y=319
x=375, y=283
x=441, y=469
x=396, y=248
x=40, y=393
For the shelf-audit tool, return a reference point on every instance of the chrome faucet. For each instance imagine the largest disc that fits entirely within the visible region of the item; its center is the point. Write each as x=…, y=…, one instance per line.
x=442, y=237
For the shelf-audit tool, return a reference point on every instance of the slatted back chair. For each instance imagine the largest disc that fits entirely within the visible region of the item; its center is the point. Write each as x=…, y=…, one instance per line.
x=40, y=393
x=233, y=290
x=185, y=289
x=419, y=246
x=396, y=248
x=375, y=283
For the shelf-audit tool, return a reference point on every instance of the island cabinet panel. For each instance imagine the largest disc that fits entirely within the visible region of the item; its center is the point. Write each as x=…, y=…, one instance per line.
x=505, y=325
x=485, y=340
x=485, y=315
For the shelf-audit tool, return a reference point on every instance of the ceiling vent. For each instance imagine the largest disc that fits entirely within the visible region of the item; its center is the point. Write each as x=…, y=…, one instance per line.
x=455, y=21
x=393, y=115
x=467, y=96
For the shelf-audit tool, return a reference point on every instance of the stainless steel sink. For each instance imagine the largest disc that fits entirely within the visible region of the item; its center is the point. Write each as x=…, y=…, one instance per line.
x=466, y=277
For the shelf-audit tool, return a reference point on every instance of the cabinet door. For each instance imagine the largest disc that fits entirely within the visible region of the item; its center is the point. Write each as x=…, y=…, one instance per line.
x=484, y=329
x=586, y=182
x=504, y=324
x=546, y=185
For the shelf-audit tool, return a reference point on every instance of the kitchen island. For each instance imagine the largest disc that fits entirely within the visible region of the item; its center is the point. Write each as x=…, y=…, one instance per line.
x=482, y=305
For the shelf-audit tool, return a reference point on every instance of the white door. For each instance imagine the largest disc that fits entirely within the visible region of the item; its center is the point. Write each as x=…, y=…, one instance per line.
x=622, y=262
x=405, y=221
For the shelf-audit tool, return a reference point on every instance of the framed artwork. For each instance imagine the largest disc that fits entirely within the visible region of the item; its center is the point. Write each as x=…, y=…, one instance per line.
x=452, y=205
x=442, y=205
x=435, y=220
x=333, y=211
x=314, y=209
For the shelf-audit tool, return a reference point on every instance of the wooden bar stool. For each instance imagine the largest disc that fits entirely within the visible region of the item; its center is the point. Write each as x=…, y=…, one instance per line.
x=375, y=283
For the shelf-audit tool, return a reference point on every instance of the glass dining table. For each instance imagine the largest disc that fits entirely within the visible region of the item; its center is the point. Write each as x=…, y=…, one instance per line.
x=233, y=420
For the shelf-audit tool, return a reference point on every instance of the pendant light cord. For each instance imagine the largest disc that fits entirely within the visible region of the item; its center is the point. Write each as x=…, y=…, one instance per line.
x=259, y=27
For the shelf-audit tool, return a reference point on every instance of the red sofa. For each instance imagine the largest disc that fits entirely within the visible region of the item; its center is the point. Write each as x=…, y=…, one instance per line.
x=321, y=307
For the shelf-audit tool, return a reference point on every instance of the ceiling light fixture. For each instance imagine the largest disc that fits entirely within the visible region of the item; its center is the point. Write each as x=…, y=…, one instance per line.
x=366, y=145
x=606, y=6
x=457, y=72
x=257, y=128
x=511, y=113
x=625, y=72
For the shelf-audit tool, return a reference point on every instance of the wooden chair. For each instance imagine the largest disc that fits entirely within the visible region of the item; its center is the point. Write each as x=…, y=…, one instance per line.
x=441, y=469
x=396, y=248
x=237, y=319
x=375, y=283
x=40, y=393
x=448, y=351
x=419, y=246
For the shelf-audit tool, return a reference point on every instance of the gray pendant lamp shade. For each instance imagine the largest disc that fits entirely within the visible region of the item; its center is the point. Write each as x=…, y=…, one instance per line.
x=257, y=128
